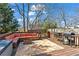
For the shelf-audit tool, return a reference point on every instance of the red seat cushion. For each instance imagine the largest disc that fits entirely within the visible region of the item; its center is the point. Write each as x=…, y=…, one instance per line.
x=17, y=35
x=28, y=34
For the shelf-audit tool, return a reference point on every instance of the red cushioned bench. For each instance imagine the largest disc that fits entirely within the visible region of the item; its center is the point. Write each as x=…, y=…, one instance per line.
x=15, y=36
x=29, y=35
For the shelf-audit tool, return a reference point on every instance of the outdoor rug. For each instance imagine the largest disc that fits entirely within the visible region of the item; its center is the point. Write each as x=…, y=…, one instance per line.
x=37, y=47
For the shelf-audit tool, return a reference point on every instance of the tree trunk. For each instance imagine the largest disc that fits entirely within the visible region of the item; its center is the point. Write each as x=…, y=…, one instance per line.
x=24, y=18
x=27, y=17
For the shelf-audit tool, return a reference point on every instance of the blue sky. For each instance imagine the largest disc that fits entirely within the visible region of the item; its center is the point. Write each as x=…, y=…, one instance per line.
x=69, y=9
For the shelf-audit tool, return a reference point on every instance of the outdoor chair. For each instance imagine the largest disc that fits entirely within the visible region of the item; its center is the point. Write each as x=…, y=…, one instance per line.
x=60, y=37
x=71, y=41
x=65, y=40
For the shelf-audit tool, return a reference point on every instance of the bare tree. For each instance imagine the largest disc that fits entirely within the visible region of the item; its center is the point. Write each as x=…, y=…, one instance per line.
x=28, y=6
x=63, y=15
x=24, y=17
x=22, y=12
x=38, y=9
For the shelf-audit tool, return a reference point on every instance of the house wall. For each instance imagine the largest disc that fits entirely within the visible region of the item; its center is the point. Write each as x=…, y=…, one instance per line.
x=76, y=30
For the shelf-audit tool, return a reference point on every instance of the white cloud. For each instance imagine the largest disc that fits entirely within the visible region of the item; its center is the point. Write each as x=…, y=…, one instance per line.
x=20, y=22
x=44, y=12
x=19, y=19
x=32, y=19
x=13, y=9
x=62, y=23
x=33, y=7
x=38, y=7
x=31, y=13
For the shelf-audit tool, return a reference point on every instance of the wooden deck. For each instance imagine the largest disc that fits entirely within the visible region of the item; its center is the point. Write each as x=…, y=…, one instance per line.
x=35, y=51
x=67, y=51
x=63, y=52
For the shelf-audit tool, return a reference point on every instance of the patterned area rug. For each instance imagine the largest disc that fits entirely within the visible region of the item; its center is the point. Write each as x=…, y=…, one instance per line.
x=37, y=47
x=47, y=45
